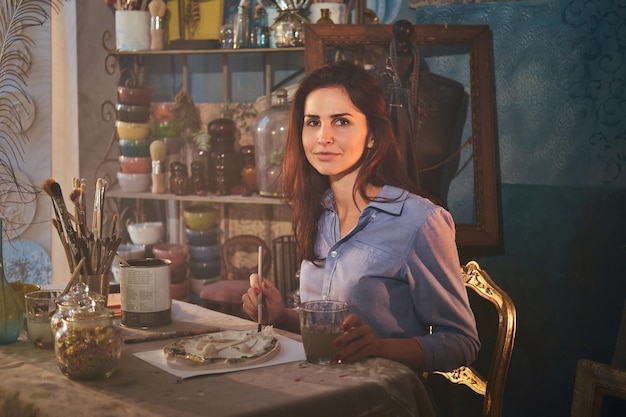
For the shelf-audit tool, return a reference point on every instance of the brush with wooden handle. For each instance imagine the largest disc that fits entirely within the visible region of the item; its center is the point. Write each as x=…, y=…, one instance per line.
x=53, y=189
x=157, y=10
x=158, y=153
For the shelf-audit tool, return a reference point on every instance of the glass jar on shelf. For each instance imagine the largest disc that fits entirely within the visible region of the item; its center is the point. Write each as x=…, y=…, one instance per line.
x=87, y=344
x=225, y=165
x=270, y=135
x=179, y=180
x=248, y=169
x=197, y=181
x=288, y=28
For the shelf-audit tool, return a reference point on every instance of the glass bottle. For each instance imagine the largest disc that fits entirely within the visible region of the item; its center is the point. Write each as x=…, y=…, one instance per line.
x=260, y=35
x=325, y=19
x=241, y=29
x=224, y=158
x=248, y=170
x=270, y=134
x=179, y=181
x=87, y=344
x=11, y=310
x=197, y=181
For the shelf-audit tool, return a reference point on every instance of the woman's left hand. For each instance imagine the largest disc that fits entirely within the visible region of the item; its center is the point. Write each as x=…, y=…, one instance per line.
x=357, y=341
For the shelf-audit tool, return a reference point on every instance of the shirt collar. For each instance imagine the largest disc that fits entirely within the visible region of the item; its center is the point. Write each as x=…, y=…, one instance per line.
x=392, y=200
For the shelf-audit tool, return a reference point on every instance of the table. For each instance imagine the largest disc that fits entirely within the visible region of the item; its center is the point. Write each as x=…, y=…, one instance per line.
x=30, y=380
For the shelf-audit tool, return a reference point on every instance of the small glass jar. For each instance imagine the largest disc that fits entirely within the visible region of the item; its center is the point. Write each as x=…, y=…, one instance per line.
x=179, y=181
x=197, y=181
x=248, y=170
x=87, y=344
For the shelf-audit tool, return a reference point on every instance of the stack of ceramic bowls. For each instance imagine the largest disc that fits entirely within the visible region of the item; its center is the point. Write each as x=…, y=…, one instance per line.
x=203, y=239
x=133, y=130
x=177, y=253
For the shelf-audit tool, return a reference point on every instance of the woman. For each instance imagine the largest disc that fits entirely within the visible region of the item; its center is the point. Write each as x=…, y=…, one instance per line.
x=364, y=234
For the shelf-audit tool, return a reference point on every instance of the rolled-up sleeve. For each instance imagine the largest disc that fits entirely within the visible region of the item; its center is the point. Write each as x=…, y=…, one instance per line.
x=440, y=296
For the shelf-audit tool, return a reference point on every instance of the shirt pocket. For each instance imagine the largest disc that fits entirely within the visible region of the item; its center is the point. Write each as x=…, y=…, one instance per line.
x=368, y=260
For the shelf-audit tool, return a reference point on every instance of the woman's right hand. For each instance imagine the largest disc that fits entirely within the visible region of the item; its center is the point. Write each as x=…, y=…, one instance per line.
x=274, y=310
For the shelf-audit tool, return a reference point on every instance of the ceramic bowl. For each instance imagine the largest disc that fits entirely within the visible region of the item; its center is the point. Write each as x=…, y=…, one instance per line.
x=147, y=233
x=176, y=252
x=166, y=128
x=206, y=237
x=135, y=164
x=162, y=111
x=132, y=131
x=129, y=251
x=179, y=273
x=128, y=94
x=196, y=284
x=204, y=253
x=134, y=183
x=134, y=148
x=180, y=290
x=133, y=113
x=205, y=270
x=200, y=216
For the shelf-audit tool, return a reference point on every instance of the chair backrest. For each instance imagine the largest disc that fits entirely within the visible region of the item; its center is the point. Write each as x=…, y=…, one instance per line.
x=240, y=256
x=492, y=387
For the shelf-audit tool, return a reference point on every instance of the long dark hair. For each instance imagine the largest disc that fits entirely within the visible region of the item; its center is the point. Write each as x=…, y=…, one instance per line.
x=302, y=186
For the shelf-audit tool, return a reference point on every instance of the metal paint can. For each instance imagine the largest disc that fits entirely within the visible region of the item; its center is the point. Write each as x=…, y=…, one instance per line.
x=145, y=287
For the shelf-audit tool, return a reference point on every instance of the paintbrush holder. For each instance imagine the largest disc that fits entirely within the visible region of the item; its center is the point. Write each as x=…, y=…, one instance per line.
x=132, y=30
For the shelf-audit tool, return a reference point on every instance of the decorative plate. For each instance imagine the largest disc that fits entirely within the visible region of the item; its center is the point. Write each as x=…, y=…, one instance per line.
x=26, y=261
x=227, y=348
x=18, y=204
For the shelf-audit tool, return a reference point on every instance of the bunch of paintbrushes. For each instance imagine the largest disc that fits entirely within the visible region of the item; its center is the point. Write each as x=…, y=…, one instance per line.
x=88, y=251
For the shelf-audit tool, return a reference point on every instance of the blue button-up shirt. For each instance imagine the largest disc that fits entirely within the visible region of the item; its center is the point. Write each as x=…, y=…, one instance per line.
x=399, y=270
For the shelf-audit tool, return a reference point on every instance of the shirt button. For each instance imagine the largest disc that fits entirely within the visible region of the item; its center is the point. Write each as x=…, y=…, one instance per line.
x=333, y=254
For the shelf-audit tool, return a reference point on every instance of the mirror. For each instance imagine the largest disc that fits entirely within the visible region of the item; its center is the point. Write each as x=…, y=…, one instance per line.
x=456, y=154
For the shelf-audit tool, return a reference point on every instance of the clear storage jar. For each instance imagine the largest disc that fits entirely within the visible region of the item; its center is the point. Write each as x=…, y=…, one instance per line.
x=87, y=344
x=270, y=135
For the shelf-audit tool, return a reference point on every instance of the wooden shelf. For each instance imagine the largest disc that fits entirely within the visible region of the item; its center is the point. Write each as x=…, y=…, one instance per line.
x=211, y=51
x=116, y=192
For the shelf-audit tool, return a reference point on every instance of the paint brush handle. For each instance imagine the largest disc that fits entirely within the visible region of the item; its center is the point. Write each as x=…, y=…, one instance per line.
x=260, y=299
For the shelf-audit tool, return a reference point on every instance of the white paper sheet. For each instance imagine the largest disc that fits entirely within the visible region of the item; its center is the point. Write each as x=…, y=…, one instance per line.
x=290, y=351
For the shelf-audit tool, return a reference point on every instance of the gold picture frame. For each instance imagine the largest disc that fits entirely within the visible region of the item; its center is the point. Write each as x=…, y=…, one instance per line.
x=595, y=380
x=482, y=227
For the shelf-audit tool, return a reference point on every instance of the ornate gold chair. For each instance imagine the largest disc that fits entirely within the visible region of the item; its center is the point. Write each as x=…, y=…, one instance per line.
x=492, y=387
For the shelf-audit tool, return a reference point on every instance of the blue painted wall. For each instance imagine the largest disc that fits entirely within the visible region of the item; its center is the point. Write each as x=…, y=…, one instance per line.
x=560, y=75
